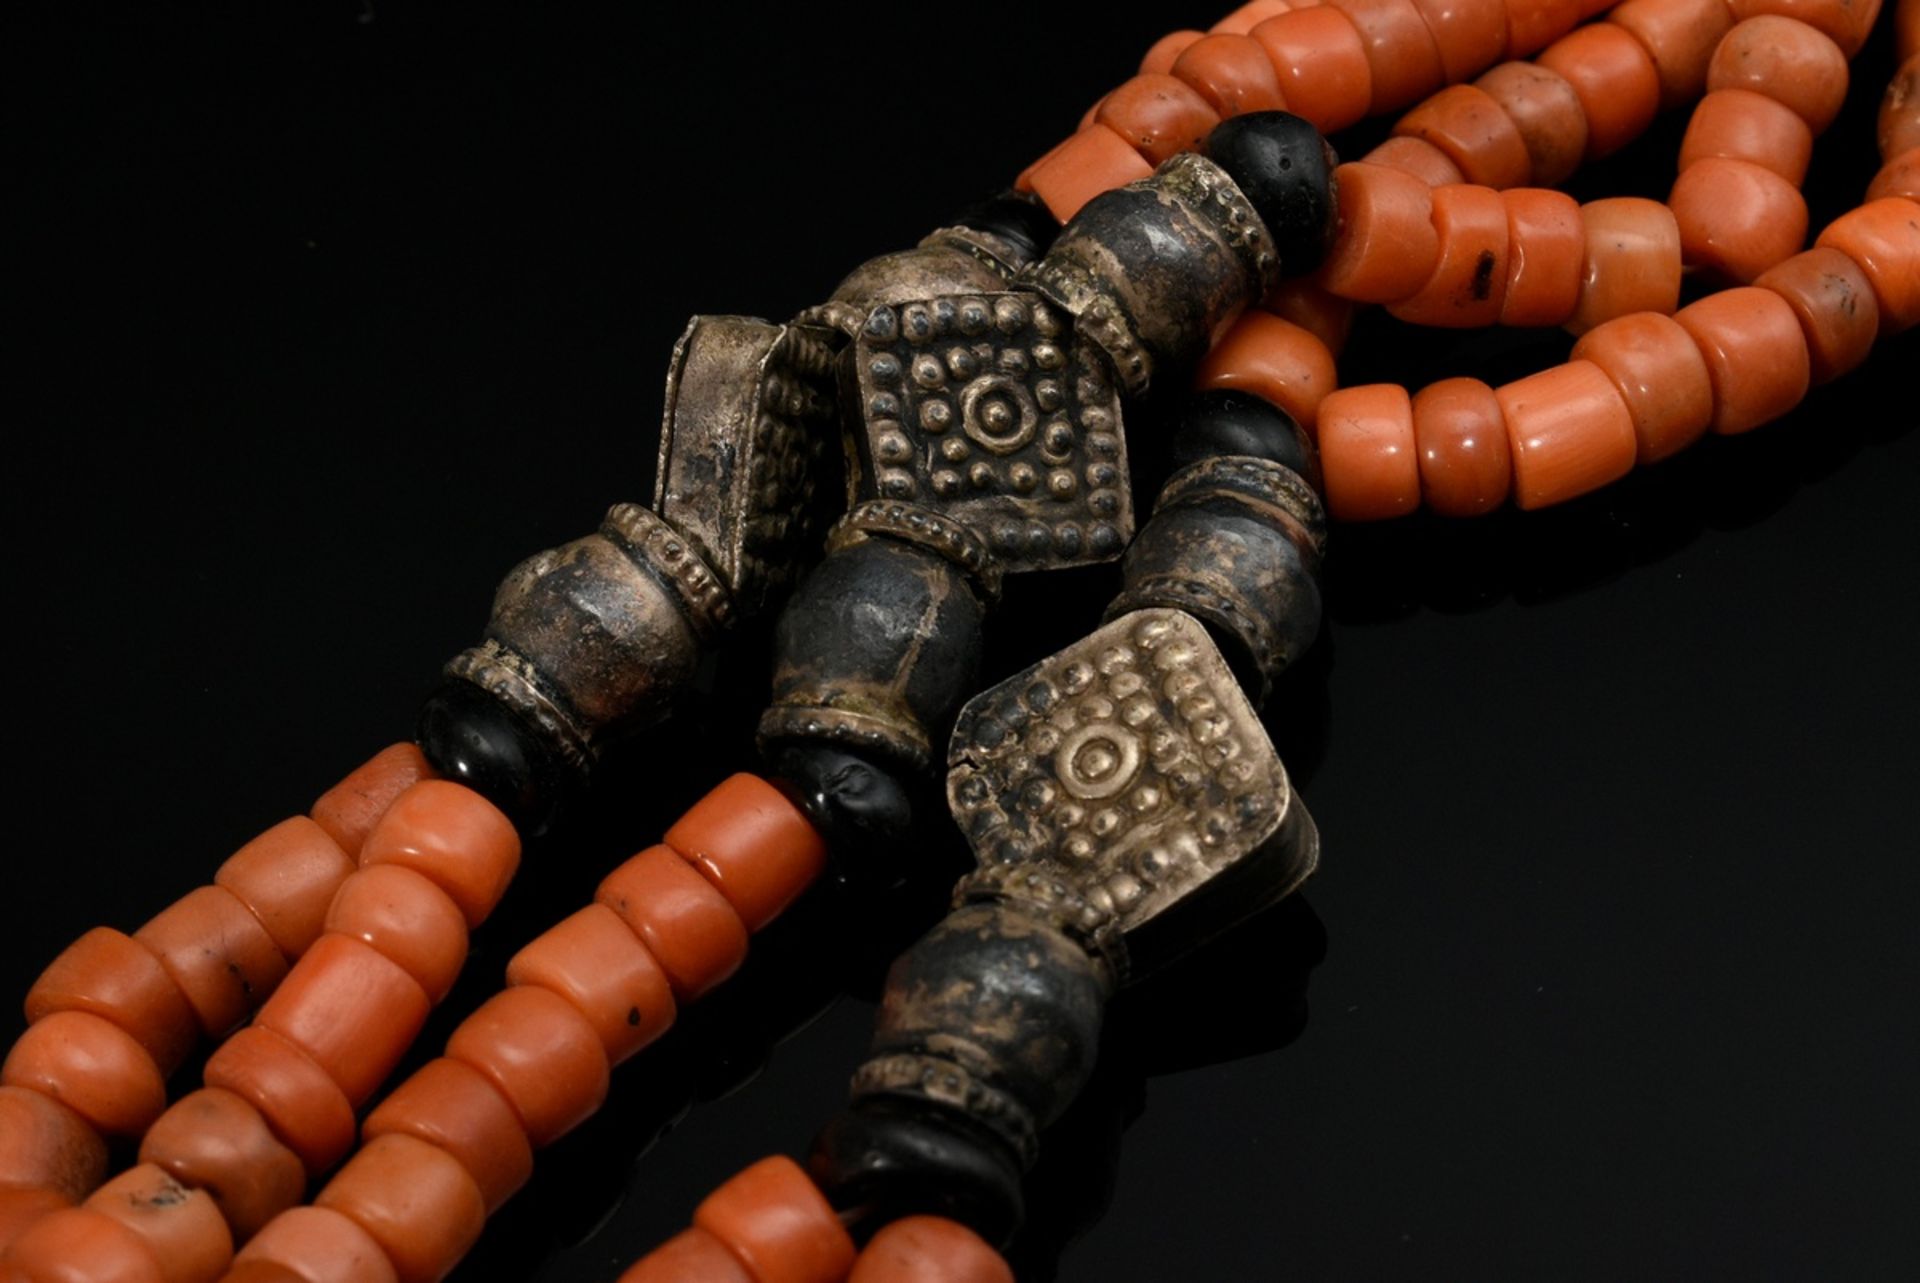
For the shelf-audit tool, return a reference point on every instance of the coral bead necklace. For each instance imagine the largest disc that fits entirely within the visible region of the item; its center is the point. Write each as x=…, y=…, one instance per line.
x=469, y=899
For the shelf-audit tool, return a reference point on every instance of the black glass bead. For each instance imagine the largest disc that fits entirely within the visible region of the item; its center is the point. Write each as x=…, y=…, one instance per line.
x=1015, y=217
x=471, y=737
x=881, y=1161
x=863, y=810
x=1283, y=165
x=1228, y=421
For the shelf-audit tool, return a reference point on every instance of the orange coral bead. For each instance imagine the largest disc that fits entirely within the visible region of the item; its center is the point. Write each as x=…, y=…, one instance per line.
x=82, y=1245
x=1367, y=453
x=1159, y=116
x=1618, y=87
x=1273, y=359
x=595, y=961
x=1532, y=25
x=180, y=1226
x=929, y=1249
x=1547, y=112
x=1898, y=177
x=352, y=1010
x=415, y=1200
x=287, y=877
x=1417, y=157
x=1471, y=35
x=753, y=844
x=1883, y=237
x=319, y=1246
x=687, y=925
x=779, y=1224
x=453, y=837
x=1401, y=53
x=541, y=1053
x=454, y=1106
x=1092, y=161
x=1461, y=442
x=1166, y=51
x=115, y=977
x=1387, y=246
x=1232, y=72
x=1321, y=63
x=1569, y=433
x=1735, y=218
x=1835, y=303
x=215, y=1141
x=1326, y=316
x=1249, y=16
x=305, y=1108
x=1661, y=376
x=691, y=1256
x=1738, y=124
x=1546, y=252
x=21, y=1208
x=408, y=920
x=218, y=953
x=1755, y=354
x=92, y=1067
x=1632, y=261
x=1680, y=37
x=1469, y=283
x=45, y=1145
x=1845, y=22
x=1787, y=61
x=1906, y=25
x=1476, y=134
x=261, y=1272
x=349, y=810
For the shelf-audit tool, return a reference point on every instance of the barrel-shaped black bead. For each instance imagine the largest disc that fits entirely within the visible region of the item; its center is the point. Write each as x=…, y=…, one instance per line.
x=1282, y=164
x=862, y=808
x=471, y=737
x=1016, y=217
x=881, y=1160
x=1229, y=421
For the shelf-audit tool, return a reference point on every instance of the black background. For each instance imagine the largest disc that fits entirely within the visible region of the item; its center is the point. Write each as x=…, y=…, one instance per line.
x=323, y=319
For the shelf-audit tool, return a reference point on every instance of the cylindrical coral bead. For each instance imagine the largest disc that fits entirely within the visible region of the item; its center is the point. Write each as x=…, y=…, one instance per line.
x=1845, y=22
x=1787, y=61
x=94, y=1068
x=83, y=1245
x=1387, y=246
x=752, y=843
x=929, y=1249
x=779, y=1224
x=352, y=1010
x=305, y=1108
x=1401, y=53
x=1618, y=87
x=1321, y=64
x=1679, y=37
x=541, y=1053
x=115, y=977
x=414, y=1199
x=1569, y=433
x=1659, y=374
x=1532, y=25
x=1632, y=261
x=218, y=953
x=1092, y=161
x=1232, y=72
x=1159, y=116
x=1471, y=35
x=1834, y=300
x=287, y=877
x=1418, y=157
x=1469, y=283
x=1475, y=132
x=1883, y=237
x=349, y=810
x=1367, y=453
x=181, y=1227
x=1735, y=218
x=320, y=1246
x=1546, y=252
x=408, y=920
x=1755, y=354
x=453, y=837
x=1275, y=360
x=456, y=1107
x=1898, y=177
x=1166, y=51
x=214, y=1141
x=1738, y=124
x=687, y=925
x=1461, y=441
x=691, y=1256
x=1545, y=108
x=596, y=962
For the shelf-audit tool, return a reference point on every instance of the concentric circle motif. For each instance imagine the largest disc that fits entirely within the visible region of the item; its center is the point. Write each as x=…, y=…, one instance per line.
x=1098, y=760
x=998, y=412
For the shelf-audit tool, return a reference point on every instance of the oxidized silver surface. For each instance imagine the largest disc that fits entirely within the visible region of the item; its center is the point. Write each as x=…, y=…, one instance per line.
x=988, y=408
x=1154, y=271
x=950, y=260
x=749, y=430
x=1131, y=768
x=924, y=528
